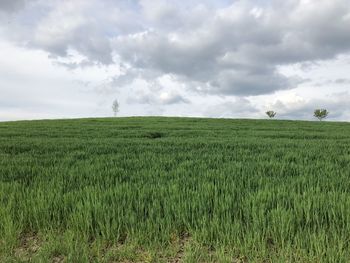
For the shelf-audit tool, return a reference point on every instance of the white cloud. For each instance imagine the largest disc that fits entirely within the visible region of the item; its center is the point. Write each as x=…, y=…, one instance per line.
x=296, y=107
x=32, y=87
x=237, y=108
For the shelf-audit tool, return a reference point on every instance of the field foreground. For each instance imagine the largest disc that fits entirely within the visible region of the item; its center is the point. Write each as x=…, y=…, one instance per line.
x=174, y=190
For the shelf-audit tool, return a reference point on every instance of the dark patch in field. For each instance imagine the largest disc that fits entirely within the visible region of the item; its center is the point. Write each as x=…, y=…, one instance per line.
x=135, y=127
x=122, y=238
x=154, y=135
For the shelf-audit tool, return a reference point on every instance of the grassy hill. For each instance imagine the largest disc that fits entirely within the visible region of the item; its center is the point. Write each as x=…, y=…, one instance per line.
x=174, y=190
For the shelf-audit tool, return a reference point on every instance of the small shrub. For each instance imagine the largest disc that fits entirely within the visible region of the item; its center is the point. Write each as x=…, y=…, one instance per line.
x=320, y=114
x=271, y=113
x=154, y=135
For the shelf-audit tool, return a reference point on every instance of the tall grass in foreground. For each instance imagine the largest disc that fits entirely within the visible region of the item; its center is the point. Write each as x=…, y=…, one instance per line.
x=202, y=190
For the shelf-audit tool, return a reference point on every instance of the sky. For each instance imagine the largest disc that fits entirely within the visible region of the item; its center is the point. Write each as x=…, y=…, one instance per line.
x=211, y=58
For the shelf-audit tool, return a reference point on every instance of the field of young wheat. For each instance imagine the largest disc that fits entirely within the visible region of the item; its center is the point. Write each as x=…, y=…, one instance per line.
x=174, y=190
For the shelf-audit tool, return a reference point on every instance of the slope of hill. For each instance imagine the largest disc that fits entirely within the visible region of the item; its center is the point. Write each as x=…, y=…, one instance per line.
x=152, y=189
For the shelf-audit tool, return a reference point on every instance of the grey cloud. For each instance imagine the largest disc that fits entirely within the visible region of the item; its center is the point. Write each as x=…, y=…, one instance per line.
x=11, y=5
x=127, y=77
x=168, y=98
x=250, y=83
x=84, y=38
x=309, y=65
x=84, y=26
x=75, y=65
x=342, y=81
x=226, y=49
x=222, y=55
x=156, y=11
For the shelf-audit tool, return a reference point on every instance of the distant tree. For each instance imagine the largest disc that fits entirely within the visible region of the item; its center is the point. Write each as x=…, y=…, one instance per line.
x=320, y=114
x=115, y=107
x=271, y=113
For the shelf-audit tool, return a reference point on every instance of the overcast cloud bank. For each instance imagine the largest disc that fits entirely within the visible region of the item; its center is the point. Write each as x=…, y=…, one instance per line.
x=238, y=58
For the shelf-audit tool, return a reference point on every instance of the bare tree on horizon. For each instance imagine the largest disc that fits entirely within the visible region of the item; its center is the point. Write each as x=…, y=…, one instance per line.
x=115, y=107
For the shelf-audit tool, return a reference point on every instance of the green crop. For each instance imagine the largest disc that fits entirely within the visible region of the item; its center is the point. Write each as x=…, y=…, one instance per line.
x=174, y=190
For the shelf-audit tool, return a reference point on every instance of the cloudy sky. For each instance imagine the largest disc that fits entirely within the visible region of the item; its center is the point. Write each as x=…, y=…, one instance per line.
x=211, y=58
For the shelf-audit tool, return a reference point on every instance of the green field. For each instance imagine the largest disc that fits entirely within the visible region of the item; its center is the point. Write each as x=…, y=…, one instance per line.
x=157, y=189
